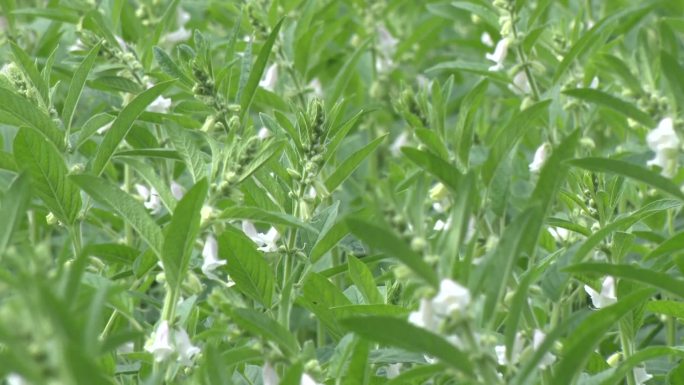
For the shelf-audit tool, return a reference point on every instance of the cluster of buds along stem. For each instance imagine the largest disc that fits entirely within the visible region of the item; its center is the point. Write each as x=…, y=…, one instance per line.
x=413, y=108
x=244, y=156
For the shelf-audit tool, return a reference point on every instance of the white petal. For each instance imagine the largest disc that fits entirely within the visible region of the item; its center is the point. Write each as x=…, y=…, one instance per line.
x=182, y=17
x=499, y=54
x=307, y=380
x=640, y=375
x=540, y=158
x=177, y=190
x=143, y=191
x=486, y=39
x=186, y=350
x=178, y=36
x=159, y=343
x=424, y=317
x=269, y=375
x=393, y=370
x=398, y=143
x=160, y=105
x=249, y=230
x=270, y=79
x=452, y=297
x=263, y=133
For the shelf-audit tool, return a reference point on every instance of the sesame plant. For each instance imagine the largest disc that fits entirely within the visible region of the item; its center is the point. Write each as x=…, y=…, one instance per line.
x=347, y=192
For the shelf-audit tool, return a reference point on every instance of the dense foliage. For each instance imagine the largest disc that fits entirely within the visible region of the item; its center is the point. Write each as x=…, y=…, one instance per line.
x=341, y=192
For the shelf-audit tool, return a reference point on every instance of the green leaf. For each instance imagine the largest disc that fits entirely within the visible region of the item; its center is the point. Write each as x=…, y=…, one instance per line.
x=357, y=371
x=589, y=334
x=48, y=173
x=345, y=169
x=328, y=240
x=189, y=151
x=609, y=101
x=486, y=13
x=76, y=86
x=25, y=111
x=363, y=279
x=181, y=234
x=128, y=208
x=658, y=280
x=257, y=214
x=13, y=208
x=629, y=170
x=673, y=70
x=671, y=245
x=247, y=266
x=379, y=238
x=399, y=333
x=441, y=169
x=319, y=296
x=257, y=70
x=417, y=374
x=345, y=74
x=649, y=353
x=271, y=330
x=465, y=129
x=669, y=308
x=123, y=123
x=169, y=66
x=271, y=150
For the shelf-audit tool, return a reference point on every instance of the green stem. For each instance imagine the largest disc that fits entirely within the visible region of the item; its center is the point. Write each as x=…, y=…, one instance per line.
x=627, y=348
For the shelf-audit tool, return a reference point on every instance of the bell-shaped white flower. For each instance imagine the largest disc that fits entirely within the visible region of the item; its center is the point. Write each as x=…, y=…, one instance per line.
x=607, y=295
x=440, y=225
x=269, y=375
x=452, y=297
x=160, y=105
x=181, y=34
x=594, y=82
x=486, y=39
x=102, y=130
x=316, y=86
x=501, y=351
x=386, y=47
x=641, y=376
x=424, y=317
x=211, y=259
x=540, y=157
x=307, y=380
x=160, y=344
x=399, y=142
x=166, y=341
x=521, y=84
x=499, y=54
x=393, y=370
x=177, y=190
x=78, y=46
x=150, y=198
x=16, y=379
x=270, y=79
x=537, y=340
x=266, y=242
x=263, y=133
x=663, y=140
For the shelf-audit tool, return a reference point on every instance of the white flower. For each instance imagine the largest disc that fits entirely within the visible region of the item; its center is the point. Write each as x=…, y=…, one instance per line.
x=181, y=34
x=266, y=242
x=500, y=351
x=103, y=129
x=486, y=39
x=205, y=213
x=177, y=190
x=606, y=297
x=440, y=225
x=386, y=47
x=177, y=36
x=15, y=379
x=640, y=375
x=270, y=79
x=150, y=198
x=307, y=380
x=210, y=256
x=663, y=140
x=594, y=82
x=159, y=343
x=160, y=105
x=451, y=298
x=424, y=317
x=499, y=54
x=263, y=133
x=269, y=375
x=537, y=340
x=540, y=157
x=165, y=341
x=393, y=370
x=521, y=85
x=78, y=46
x=316, y=87
x=399, y=142
x=560, y=234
